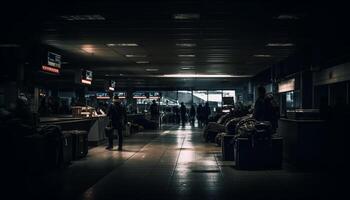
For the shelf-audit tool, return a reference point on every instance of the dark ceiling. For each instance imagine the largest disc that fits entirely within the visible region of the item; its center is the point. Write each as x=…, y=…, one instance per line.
x=210, y=37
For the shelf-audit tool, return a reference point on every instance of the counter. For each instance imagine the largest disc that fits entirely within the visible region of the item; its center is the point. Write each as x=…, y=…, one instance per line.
x=303, y=141
x=94, y=125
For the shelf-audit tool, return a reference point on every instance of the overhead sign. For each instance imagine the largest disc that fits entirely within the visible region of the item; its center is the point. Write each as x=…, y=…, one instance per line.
x=120, y=95
x=52, y=63
x=111, y=85
x=154, y=95
x=286, y=86
x=86, y=77
x=139, y=95
x=54, y=60
x=102, y=96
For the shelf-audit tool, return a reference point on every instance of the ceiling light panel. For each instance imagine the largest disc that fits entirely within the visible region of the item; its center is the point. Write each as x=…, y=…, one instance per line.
x=83, y=17
x=186, y=16
x=135, y=56
x=186, y=55
x=280, y=44
x=186, y=44
x=152, y=70
x=262, y=56
x=142, y=62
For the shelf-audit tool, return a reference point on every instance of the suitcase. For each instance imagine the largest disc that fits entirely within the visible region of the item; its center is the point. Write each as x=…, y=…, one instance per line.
x=80, y=143
x=227, y=147
x=262, y=154
x=67, y=148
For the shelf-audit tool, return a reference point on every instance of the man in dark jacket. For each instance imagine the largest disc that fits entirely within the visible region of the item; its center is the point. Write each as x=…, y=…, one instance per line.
x=265, y=109
x=117, y=115
x=183, y=112
x=154, y=110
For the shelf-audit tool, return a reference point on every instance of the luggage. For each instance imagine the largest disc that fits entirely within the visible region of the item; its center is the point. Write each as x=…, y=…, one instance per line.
x=211, y=131
x=230, y=126
x=265, y=154
x=227, y=147
x=67, y=147
x=80, y=143
x=53, y=145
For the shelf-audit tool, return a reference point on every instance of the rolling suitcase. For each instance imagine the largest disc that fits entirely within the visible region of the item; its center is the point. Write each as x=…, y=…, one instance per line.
x=67, y=148
x=80, y=143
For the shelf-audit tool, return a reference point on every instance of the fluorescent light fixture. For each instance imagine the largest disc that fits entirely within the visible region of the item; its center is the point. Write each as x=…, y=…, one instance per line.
x=186, y=44
x=82, y=17
x=142, y=62
x=287, y=17
x=186, y=16
x=9, y=45
x=110, y=45
x=186, y=55
x=135, y=56
x=262, y=56
x=202, y=76
x=280, y=44
x=152, y=70
x=127, y=45
x=187, y=68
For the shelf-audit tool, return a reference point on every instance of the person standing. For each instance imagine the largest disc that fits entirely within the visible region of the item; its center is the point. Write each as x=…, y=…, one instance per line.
x=206, y=113
x=192, y=114
x=183, y=113
x=117, y=115
x=266, y=109
x=154, y=110
x=200, y=115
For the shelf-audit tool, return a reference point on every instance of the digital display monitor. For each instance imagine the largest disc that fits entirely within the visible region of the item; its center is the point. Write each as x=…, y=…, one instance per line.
x=120, y=95
x=53, y=60
x=139, y=95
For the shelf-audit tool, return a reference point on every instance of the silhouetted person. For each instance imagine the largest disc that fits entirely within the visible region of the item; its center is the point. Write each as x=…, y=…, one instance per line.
x=265, y=110
x=117, y=115
x=206, y=113
x=192, y=114
x=200, y=115
x=183, y=113
x=154, y=110
x=176, y=112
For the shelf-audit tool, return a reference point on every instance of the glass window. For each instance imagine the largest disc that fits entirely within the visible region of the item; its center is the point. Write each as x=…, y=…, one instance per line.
x=229, y=93
x=185, y=96
x=215, y=98
x=200, y=97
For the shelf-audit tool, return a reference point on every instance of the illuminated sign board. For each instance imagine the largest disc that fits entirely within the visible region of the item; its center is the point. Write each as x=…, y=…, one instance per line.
x=54, y=60
x=102, y=96
x=86, y=77
x=139, y=95
x=120, y=95
x=52, y=63
x=50, y=69
x=286, y=86
x=154, y=95
x=111, y=85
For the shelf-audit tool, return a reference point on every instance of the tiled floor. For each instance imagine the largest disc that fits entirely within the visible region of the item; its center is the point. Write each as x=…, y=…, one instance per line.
x=174, y=164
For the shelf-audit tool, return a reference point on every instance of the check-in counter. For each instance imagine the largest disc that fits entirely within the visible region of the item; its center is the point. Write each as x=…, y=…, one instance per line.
x=303, y=141
x=93, y=125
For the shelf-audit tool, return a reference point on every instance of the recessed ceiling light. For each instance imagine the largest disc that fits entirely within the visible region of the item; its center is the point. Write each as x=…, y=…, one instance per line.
x=82, y=17
x=127, y=45
x=110, y=45
x=187, y=68
x=88, y=48
x=203, y=76
x=280, y=44
x=9, y=45
x=262, y=56
x=152, y=70
x=287, y=17
x=186, y=44
x=186, y=16
x=142, y=62
x=135, y=56
x=186, y=55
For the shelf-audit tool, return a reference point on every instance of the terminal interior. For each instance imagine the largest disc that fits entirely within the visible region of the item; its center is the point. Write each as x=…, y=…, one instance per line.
x=174, y=99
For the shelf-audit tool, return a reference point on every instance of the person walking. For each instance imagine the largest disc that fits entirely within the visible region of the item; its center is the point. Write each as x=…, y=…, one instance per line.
x=117, y=115
x=183, y=113
x=154, y=110
x=192, y=114
x=200, y=115
x=206, y=113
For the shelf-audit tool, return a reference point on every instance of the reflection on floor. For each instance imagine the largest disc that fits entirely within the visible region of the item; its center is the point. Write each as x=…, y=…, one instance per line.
x=174, y=164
